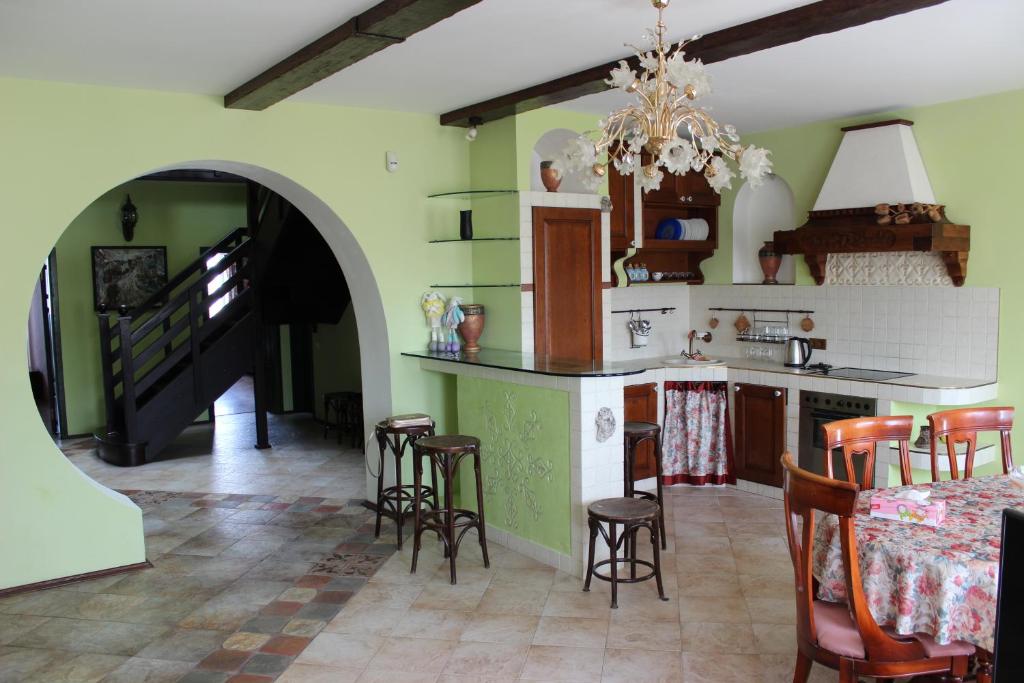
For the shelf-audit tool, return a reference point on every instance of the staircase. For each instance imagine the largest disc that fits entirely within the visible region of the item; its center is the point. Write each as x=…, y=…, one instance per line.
x=167, y=360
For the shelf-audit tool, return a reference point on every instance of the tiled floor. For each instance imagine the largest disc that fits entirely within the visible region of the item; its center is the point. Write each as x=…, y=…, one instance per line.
x=729, y=618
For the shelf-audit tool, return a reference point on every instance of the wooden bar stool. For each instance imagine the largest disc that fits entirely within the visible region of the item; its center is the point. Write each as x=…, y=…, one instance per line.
x=634, y=434
x=394, y=502
x=446, y=453
x=633, y=514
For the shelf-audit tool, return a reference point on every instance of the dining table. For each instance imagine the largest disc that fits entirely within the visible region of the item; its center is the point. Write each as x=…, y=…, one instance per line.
x=939, y=580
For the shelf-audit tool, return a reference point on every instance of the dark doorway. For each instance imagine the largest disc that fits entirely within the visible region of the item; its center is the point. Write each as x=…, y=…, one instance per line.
x=44, y=357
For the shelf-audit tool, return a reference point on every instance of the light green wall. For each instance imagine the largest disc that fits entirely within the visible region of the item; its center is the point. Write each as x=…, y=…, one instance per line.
x=335, y=359
x=65, y=145
x=524, y=435
x=180, y=216
x=968, y=147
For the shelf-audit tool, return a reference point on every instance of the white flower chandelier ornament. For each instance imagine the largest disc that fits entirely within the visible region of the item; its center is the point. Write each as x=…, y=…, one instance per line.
x=645, y=136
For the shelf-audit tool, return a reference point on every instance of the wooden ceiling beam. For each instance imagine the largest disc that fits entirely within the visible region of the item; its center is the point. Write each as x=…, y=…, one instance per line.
x=817, y=18
x=383, y=25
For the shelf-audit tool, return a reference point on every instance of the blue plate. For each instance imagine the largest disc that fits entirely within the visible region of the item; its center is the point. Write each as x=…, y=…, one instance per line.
x=671, y=229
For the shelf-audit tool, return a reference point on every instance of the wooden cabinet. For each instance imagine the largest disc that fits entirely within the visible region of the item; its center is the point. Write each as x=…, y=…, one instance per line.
x=759, y=415
x=641, y=405
x=567, y=283
x=686, y=196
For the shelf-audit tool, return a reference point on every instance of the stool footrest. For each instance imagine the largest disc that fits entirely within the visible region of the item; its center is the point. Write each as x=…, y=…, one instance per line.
x=628, y=561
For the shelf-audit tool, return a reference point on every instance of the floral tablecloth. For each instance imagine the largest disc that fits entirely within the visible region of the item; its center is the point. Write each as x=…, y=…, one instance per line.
x=918, y=579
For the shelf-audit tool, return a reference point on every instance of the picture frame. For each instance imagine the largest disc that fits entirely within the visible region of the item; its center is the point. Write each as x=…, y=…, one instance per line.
x=127, y=276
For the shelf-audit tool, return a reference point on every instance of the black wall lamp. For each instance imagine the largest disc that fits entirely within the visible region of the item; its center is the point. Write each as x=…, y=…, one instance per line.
x=129, y=217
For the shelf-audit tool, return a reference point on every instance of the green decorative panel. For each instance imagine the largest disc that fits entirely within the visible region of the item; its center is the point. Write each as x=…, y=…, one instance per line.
x=524, y=432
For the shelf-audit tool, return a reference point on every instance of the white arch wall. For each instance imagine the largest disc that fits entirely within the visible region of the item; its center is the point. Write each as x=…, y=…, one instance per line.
x=757, y=214
x=64, y=145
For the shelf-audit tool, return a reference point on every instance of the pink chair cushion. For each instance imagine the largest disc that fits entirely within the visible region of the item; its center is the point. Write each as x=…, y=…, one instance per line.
x=836, y=631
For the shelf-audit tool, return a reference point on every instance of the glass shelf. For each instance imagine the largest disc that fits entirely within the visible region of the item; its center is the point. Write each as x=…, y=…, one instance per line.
x=513, y=284
x=472, y=194
x=477, y=239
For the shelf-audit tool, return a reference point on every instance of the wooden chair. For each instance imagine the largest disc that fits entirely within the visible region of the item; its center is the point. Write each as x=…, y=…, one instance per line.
x=860, y=436
x=846, y=637
x=962, y=426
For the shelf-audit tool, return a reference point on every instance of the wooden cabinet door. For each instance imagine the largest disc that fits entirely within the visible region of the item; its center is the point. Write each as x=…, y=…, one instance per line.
x=567, y=283
x=760, y=419
x=693, y=189
x=620, y=190
x=641, y=405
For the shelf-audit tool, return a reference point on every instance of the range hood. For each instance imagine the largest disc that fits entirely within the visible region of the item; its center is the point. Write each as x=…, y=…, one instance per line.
x=877, y=198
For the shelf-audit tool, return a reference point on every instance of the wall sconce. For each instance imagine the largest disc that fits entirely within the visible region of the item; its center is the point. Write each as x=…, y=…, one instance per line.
x=474, y=127
x=129, y=217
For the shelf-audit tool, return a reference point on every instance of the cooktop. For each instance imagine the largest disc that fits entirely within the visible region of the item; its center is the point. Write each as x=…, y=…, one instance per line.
x=863, y=374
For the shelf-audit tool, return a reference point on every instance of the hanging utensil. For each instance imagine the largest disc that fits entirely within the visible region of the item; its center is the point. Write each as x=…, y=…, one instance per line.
x=640, y=332
x=807, y=324
x=713, y=323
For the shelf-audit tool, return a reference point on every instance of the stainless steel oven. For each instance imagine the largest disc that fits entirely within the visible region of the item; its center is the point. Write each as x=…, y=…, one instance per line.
x=817, y=409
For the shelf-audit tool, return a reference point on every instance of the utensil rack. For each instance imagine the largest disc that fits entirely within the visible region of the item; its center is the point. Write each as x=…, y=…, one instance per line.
x=763, y=338
x=664, y=310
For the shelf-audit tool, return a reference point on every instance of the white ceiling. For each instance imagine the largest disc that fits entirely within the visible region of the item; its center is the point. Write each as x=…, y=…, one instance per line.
x=959, y=49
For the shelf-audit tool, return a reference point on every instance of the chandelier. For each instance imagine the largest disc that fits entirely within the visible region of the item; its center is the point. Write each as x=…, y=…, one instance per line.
x=645, y=136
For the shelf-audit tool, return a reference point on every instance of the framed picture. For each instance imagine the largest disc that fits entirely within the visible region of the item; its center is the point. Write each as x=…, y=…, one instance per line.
x=127, y=276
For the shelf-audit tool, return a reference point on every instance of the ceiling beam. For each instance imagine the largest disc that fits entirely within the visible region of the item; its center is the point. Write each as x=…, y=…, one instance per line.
x=383, y=25
x=817, y=18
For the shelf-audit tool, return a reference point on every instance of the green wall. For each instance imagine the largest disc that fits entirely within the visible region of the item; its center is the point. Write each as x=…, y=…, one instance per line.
x=524, y=435
x=65, y=145
x=968, y=147
x=180, y=216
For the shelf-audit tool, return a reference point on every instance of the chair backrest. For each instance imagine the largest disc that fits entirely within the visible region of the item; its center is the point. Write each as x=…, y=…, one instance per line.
x=962, y=426
x=861, y=435
x=804, y=493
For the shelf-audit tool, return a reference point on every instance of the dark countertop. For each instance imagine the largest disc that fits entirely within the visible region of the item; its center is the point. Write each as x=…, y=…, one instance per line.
x=527, y=362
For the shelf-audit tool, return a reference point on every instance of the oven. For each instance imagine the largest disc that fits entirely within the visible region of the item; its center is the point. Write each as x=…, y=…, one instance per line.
x=818, y=408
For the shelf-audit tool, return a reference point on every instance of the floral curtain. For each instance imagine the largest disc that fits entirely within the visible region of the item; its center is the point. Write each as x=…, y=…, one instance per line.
x=697, y=448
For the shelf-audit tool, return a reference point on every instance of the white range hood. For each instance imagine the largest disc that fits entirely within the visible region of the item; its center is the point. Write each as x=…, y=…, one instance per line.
x=876, y=163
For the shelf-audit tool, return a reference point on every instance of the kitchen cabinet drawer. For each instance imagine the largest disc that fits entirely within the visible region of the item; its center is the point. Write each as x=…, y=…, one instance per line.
x=641, y=405
x=759, y=416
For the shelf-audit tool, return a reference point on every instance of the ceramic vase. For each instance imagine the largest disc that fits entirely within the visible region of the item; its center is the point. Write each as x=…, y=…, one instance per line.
x=549, y=177
x=770, y=261
x=466, y=224
x=472, y=327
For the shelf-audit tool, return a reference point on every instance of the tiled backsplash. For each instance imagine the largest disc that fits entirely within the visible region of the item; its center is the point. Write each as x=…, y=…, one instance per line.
x=925, y=330
x=668, y=332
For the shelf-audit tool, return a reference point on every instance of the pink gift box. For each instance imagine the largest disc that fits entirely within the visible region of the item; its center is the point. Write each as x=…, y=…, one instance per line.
x=884, y=505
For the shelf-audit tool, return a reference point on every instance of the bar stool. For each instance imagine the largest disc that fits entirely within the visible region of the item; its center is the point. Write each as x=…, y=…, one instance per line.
x=394, y=502
x=634, y=434
x=347, y=407
x=633, y=514
x=446, y=453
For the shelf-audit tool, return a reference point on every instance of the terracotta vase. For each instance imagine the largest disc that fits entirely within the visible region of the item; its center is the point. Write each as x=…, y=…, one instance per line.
x=549, y=177
x=472, y=327
x=770, y=262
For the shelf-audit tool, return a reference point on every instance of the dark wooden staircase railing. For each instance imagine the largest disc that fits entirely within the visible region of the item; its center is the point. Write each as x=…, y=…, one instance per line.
x=166, y=361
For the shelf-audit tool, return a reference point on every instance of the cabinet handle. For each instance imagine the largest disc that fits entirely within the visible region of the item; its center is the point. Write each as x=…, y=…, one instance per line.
x=736, y=388
x=685, y=198
x=777, y=393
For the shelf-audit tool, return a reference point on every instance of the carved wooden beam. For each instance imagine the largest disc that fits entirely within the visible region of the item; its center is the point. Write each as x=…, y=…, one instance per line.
x=817, y=18
x=383, y=25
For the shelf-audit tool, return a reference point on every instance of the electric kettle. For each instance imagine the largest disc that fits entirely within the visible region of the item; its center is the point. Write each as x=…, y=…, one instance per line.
x=798, y=352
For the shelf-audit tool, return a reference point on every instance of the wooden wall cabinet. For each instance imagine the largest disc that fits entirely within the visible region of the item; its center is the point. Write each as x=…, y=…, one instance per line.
x=759, y=416
x=641, y=405
x=687, y=196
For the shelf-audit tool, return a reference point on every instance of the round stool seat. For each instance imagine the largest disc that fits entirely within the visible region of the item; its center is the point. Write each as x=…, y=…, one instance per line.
x=387, y=428
x=639, y=428
x=449, y=443
x=623, y=510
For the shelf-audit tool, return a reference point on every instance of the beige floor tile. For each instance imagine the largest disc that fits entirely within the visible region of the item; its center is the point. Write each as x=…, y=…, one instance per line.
x=684, y=532
x=766, y=585
x=711, y=638
x=640, y=633
x=501, y=628
x=551, y=663
x=774, y=639
x=772, y=610
x=779, y=669
x=513, y=600
x=572, y=632
x=699, y=668
x=431, y=623
x=487, y=659
x=641, y=666
x=384, y=676
x=414, y=655
x=725, y=610
x=695, y=564
x=140, y=670
x=313, y=673
x=82, y=668
x=475, y=678
x=711, y=585
x=642, y=600
x=702, y=545
x=340, y=650
x=441, y=596
x=386, y=596
x=592, y=605
x=359, y=619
